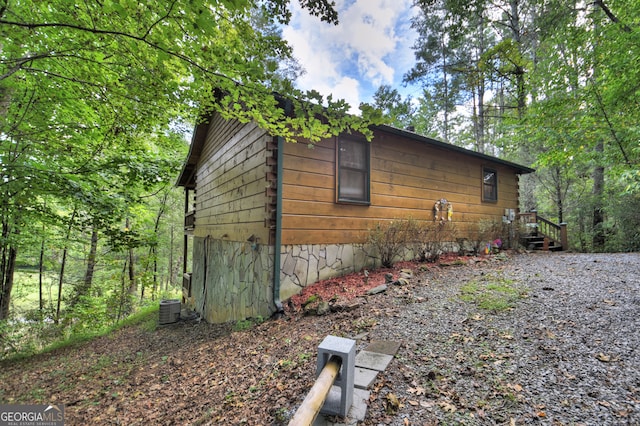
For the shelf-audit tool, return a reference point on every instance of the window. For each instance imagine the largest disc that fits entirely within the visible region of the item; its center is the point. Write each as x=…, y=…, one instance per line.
x=353, y=170
x=489, y=184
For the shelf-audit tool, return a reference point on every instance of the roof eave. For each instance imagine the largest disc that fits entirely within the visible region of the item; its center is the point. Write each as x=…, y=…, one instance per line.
x=187, y=175
x=520, y=169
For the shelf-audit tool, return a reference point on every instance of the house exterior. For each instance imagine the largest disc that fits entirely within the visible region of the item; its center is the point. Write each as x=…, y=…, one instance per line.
x=265, y=218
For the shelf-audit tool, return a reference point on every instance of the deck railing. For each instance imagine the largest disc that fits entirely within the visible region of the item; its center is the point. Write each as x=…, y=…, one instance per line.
x=546, y=228
x=190, y=220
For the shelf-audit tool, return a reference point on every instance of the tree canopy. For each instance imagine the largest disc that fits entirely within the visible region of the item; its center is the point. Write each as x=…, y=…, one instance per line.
x=553, y=84
x=96, y=98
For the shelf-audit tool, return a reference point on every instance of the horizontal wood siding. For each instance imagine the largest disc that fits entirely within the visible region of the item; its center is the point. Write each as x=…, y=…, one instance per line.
x=231, y=182
x=407, y=178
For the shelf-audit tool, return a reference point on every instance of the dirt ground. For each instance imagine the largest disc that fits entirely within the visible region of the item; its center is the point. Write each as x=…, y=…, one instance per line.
x=506, y=339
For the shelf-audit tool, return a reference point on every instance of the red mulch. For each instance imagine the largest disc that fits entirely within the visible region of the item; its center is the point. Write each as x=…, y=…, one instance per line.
x=354, y=285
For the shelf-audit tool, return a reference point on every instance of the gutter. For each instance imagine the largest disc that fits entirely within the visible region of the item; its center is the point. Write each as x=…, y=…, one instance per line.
x=278, y=236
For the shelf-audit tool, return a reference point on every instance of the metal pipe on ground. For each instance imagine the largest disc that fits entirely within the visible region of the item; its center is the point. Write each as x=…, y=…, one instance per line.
x=313, y=402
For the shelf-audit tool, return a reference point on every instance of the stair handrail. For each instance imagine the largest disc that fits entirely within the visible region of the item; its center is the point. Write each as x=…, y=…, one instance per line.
x=553, y=231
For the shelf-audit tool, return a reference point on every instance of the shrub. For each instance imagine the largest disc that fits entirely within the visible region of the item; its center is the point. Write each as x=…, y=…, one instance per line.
x=391, y=239
x=433, y=237
x=486, y=232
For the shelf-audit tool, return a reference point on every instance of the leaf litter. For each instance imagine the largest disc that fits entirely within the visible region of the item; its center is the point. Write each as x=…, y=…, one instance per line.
x=561, y=357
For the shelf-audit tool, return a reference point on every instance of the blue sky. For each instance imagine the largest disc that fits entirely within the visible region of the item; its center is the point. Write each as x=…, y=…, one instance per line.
x=371, y=46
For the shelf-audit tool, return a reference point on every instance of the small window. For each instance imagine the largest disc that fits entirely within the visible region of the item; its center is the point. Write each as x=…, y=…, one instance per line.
x=489, y=184
x=353, y=170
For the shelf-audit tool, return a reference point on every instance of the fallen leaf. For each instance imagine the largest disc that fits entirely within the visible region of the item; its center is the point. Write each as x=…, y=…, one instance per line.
x=516, y=387
x=418, y=390
x=393, y=403
x=604, y=358
x=448, y=407
x=414, y=403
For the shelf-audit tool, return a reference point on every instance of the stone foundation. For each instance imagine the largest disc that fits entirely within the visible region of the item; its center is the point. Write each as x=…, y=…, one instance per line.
x=302, y=265
x=239, y=275
x=239, y=280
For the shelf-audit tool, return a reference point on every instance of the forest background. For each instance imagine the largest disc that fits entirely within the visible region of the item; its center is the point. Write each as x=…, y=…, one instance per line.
x=96, y=99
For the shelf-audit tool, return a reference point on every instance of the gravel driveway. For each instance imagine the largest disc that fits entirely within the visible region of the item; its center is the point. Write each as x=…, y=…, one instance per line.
x=535, y=339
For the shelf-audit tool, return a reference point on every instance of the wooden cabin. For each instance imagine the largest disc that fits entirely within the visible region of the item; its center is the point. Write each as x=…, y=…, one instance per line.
x=265, y=218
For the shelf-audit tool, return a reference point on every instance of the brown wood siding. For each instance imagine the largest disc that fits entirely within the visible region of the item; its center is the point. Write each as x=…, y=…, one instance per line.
x=231, y=182
x=407, y=178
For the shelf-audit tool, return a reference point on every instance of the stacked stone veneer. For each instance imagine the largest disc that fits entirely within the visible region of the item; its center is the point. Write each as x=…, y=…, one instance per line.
x=238, y=277
x=302, y=265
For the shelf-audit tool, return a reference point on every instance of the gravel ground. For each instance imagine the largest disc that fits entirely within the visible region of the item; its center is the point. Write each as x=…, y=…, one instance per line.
x=538, y=338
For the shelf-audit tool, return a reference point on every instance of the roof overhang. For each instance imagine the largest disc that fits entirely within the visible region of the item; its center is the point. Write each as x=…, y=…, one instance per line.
x=520, y=169
x=187, y=175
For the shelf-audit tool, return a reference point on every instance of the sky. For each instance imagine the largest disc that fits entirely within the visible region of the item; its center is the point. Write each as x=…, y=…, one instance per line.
x=371, y=46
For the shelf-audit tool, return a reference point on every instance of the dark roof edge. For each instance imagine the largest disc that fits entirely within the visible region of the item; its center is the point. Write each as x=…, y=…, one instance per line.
x=195, y=148
x=520, y=169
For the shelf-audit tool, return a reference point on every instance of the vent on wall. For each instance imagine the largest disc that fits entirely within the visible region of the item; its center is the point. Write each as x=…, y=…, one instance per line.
x=169, y=311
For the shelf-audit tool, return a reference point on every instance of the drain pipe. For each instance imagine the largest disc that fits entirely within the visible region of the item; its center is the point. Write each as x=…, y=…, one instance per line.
x=278, y=236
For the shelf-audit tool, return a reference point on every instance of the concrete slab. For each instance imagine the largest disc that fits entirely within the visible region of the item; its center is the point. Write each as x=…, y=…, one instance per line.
x=364, y=377
x=373, y=360
x=383, y=347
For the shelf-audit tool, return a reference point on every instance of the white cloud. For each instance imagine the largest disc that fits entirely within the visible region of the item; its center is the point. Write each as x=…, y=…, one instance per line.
x=371, y=46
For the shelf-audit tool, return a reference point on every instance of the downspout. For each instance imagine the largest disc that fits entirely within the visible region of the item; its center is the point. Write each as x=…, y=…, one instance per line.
x=278, y=236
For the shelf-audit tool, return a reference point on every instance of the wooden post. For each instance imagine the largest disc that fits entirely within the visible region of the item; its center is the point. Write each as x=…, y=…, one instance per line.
x=308, y=411
x=564, y=237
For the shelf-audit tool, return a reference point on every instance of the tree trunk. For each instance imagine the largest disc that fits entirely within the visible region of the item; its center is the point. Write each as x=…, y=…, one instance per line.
x=597, y=175
x=91, y=261
x=123, y=293
x=521, y=95
x=62, y=266
x=445, y=94
x=559, y=195
x=41, y=275
x=480, y=119
x=60, y=281
x=83, y=288
x=599, y=239
x=7, y=269
x=170, y=269
x=133, y=285
x=155, y=274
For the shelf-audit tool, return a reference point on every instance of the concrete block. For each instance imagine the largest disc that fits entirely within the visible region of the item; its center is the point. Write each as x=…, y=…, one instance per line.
x=342, y=390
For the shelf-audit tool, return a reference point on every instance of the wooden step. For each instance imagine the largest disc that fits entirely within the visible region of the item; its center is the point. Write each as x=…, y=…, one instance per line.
x=536, y=242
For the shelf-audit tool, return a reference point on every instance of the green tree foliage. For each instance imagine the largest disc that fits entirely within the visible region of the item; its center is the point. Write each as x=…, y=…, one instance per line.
x=397, y=112
x=94, y=100
x=553, y=84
